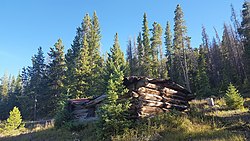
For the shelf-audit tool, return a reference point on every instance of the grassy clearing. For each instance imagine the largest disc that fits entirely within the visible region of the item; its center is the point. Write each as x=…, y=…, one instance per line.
x=52, y=134
x=200, y=123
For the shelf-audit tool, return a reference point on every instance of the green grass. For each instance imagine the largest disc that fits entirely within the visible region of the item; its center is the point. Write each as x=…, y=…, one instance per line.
x=200, y=123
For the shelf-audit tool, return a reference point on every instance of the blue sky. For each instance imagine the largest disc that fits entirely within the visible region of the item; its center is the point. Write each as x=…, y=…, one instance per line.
x=27, y=24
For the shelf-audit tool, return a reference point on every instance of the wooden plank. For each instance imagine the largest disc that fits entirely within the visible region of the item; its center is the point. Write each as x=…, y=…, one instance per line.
x=145, y=96
x=174, y=101
x=96, y=101
x=152, y=103
x=166, y=90
x=174, y=106
x=80, y=111
x=148, y=90
x=152, y=86
x=174, y=96
x=149, y=109
x=134, y=94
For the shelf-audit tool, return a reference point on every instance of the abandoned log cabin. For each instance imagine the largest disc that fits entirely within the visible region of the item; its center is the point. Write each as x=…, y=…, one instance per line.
x=148, y=97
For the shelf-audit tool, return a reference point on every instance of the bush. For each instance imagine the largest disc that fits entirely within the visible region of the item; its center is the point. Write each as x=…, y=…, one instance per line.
x=62, y=118
x=233, y=98
x=14, y=120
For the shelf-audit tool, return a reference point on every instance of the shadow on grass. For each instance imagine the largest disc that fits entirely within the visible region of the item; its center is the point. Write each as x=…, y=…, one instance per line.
x=53, y=134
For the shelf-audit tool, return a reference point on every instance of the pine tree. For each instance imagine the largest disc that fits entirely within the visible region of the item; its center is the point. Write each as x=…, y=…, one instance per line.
x=83, y=70
x=70, y=60
x=140, y=55
x=245, y=33
x=202, y=85
x=233, y=98
x=115, y=59
x=14, y=120
x=156, y=48
x=147, y=57
x=216, y=61
x=96, y=61
x=129, y=58
x=5, y=87
x=180, y=51
x=36, y=88
x=112, y=113
x=56, y=77
x=169, y=50
x=227, y=49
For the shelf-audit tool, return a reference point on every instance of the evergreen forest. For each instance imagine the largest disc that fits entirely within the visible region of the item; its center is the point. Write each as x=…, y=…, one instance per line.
x=41, y=90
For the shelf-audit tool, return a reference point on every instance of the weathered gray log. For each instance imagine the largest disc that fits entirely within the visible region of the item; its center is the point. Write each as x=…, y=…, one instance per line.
x=77, y=112
x=95, y=101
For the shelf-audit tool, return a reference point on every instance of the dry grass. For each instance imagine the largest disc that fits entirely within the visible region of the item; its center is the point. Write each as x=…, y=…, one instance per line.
x=200, y=123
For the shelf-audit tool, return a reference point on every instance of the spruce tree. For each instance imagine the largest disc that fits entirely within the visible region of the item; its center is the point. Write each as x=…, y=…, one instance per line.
x=112, y=113
x=180, y=50
x=169, y=50
x=245, y=33
x=96, y=61
x=202, y=85
x=156, y=48
x=56, y=77
x=147, y=63
x=70, y=60
x=37, y=87
x=5, y=87
x=14, y=120
x=129, y=59
x=115, y=59
x=233, y=98
x=83, y=70
x=140, y=55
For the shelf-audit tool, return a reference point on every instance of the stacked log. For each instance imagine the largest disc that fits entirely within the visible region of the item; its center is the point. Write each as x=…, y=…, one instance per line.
x=148, y=97
x=154, y=96
x=82, y=109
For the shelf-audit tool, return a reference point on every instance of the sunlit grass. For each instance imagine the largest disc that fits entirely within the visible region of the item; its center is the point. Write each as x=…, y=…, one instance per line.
x=200, y=123
x=227, y=113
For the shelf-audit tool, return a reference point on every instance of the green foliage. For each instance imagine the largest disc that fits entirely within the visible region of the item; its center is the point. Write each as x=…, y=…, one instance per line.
x=56, y=77
x=233, y=98
x=113, y=120
x=202, y=82
x=14, y=120
x=4, y=86
x=156, y=49
x=62, y=118
x=147, y=56
x=169, y=49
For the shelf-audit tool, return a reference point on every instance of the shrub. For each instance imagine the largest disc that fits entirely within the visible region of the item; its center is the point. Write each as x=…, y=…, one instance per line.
x=14, y=120
x=233, y=98
x=62, y=118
